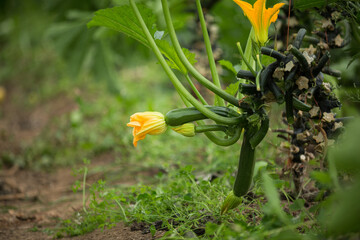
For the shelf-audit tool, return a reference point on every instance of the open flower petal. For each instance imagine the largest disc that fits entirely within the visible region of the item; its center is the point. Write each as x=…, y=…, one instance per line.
x=260, y=17
x=152, y=123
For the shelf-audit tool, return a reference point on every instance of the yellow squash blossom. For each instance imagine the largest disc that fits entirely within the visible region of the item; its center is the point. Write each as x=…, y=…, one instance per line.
x=152, y=123
x=260, y=17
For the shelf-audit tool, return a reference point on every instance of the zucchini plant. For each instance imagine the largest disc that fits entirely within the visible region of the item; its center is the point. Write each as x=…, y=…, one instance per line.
x=293, y=77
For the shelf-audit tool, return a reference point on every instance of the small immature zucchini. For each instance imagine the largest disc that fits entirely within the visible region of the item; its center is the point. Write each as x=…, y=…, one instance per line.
x=299, y=105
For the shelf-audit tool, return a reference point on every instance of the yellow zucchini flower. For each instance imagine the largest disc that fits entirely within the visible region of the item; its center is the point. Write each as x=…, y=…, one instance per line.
x=152, y=123
x=260, y=17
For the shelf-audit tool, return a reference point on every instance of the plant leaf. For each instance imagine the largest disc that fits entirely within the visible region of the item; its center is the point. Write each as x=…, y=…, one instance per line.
x=233, y=88
x=228, y=65
x=306, y=4
x=123, y=19
x=273, y=197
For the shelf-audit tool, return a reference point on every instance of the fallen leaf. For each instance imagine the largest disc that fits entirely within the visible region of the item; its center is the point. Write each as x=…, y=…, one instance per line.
x=327, y=24
x=290, y=65
x=294, y=149
x=319, y=138
x=311, y=155
x=323, y=46
x=328, y=117
x=308, y=58
x=337, y=125
x=335, y=15
x=302, y=82
x=311, y=50
x=301, y=136
x=338, y=40
x=278, y=73
x=314, y=111
x=327, y=87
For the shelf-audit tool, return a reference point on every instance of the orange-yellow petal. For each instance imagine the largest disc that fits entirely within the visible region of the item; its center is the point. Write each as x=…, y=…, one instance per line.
x=260, y=17
x=271, y=14
x=144, y=123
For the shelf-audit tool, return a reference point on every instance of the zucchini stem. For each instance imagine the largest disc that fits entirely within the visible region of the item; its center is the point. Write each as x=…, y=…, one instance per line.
x=222, y=141
x=215, y=76
x=197, y=93
x=245, y=60
x=202, y=80
x=179, y=87
x=210, y=128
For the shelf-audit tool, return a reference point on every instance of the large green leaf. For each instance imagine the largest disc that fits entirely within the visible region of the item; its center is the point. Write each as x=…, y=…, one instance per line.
x=172, y=58
x=123, y=19
x=306, y=4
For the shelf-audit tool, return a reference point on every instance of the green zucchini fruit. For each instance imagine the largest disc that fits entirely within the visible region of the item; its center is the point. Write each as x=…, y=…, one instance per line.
x=261, y=133
x=247, y=89
x=272, y=53
x=289, y=107
x=299, y=105
x=302, y=60
x=246, y=167
x=276, y=91
x=266, y=74
x=322, y=62
x=299, y=38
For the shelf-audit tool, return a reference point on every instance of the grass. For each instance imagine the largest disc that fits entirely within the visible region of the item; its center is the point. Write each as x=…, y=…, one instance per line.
x=189, y=178
x=180, y=182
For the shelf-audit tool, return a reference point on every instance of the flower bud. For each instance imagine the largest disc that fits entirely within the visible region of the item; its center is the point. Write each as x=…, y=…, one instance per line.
x=187, y=129
x=231, y=202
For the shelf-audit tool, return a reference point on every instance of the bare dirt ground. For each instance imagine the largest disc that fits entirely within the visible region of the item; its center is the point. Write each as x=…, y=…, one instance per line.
x=33, y=201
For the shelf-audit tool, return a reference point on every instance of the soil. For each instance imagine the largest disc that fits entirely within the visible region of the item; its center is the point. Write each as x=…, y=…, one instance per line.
x=33, y=201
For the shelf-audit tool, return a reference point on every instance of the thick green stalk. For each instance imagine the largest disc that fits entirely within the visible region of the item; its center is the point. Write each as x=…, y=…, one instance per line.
x=202, y=80
x=202, y=100
x=175, y=80
x=218, y=101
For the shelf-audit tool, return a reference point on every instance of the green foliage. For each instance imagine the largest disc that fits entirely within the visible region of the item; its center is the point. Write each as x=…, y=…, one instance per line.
x=233, y=88
x=123, y=19
x=341, y=212
x=306, y=4
x=274, y=207
x=228, y=65
x=178, y=193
